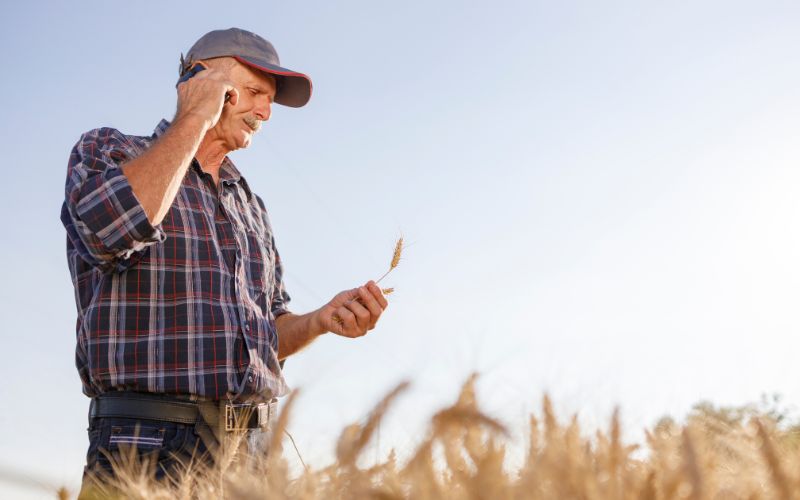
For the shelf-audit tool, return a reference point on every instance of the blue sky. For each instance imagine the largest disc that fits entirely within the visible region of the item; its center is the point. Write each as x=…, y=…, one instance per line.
x=599, y=200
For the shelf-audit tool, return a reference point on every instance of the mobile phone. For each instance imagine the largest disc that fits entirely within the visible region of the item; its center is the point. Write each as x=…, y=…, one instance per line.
x=197, y=68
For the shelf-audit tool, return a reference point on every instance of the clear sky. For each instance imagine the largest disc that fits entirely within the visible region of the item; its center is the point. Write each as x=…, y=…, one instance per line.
x=599, y=200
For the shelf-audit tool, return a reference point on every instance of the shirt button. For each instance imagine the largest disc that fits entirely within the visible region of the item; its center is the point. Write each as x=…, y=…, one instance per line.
x=247, y=328
x=250, y=378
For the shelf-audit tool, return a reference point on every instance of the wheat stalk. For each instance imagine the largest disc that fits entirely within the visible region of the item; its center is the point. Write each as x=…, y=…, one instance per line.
x=398, y=251
x=461, y=458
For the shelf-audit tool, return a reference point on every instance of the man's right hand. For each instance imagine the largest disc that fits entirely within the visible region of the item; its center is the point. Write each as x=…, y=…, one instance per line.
x=155, y=176
x=203, y=96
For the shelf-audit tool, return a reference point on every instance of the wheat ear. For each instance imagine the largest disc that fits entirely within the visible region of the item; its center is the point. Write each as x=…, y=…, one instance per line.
x=398, y=250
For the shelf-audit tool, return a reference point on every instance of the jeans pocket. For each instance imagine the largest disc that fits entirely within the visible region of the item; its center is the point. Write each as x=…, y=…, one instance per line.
x=140, y=436
x=122, y=442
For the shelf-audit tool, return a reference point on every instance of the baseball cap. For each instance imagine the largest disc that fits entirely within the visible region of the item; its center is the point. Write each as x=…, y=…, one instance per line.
x=293, y=88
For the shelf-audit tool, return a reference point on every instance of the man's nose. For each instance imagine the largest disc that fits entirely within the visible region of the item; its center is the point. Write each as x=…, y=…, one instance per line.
x=263, y=109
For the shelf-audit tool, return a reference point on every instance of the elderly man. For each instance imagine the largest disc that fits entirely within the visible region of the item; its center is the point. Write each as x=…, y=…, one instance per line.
x=183, y=318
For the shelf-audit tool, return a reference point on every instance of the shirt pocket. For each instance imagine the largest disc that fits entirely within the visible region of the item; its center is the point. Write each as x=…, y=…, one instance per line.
x=260, y=267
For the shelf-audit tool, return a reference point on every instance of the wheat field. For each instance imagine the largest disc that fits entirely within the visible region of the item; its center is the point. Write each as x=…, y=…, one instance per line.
x=714, y=454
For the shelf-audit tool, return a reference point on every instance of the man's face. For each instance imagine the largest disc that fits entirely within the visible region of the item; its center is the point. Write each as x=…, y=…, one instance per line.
x=237, y=124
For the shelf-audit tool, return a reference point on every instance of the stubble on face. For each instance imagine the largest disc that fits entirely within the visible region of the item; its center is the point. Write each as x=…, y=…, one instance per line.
x=253, y=122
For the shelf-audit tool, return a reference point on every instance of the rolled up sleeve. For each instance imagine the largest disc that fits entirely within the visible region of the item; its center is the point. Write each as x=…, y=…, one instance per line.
x=280, y=298
x=102, y=215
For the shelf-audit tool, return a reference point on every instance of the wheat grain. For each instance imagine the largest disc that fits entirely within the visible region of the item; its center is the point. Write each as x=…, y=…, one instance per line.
x=398, y=251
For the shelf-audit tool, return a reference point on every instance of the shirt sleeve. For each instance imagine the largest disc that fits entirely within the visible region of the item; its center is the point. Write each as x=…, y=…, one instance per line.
x=280, y=298
x=103, y=217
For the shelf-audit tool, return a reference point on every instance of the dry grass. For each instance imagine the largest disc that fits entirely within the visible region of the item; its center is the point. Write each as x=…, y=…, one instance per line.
x=462, y=456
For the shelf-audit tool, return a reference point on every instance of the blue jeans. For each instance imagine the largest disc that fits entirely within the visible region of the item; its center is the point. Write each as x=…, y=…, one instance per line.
x=167, y=446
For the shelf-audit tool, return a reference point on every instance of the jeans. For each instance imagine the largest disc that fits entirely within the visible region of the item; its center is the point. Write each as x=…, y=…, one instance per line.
x=167, y=446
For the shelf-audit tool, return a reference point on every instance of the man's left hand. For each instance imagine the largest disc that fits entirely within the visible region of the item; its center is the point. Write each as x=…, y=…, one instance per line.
x=352, y=313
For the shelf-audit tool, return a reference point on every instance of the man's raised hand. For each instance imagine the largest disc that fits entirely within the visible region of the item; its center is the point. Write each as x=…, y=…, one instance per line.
x=203, y=96
x=352, y=313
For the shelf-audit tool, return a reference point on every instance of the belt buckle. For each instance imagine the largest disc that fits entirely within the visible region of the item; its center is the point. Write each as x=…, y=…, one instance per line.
x=265, y=413
x=233, y=416
x=239, y=415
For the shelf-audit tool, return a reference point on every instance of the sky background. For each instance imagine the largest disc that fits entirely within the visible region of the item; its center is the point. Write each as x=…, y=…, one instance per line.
x=599, y=201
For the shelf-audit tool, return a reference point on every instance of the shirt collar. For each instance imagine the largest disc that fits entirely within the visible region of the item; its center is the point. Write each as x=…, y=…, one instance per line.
x=228, y=173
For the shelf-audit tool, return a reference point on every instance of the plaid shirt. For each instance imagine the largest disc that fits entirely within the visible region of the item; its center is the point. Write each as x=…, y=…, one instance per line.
x=185, y=307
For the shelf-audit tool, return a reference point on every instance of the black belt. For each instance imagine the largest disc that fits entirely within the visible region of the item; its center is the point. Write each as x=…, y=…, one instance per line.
x=159, y=407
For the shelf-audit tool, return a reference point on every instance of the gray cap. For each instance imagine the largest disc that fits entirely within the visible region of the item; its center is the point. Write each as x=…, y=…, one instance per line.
x=294, y=89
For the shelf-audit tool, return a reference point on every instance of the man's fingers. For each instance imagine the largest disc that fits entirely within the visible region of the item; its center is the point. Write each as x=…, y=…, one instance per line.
x=361, y=314
x=360, y=310
x=377, y=294
x=369, y=301
x=348, y=321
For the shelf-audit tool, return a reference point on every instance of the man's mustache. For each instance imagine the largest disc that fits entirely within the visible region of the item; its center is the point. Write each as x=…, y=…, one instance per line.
x=253, y=123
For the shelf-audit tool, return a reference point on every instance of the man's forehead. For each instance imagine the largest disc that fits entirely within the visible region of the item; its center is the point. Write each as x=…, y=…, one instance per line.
x=263, y=81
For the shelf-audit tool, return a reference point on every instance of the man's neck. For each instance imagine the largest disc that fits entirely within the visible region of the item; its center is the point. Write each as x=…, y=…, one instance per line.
x=210, y=155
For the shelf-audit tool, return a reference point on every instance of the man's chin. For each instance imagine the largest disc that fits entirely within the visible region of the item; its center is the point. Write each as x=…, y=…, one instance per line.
x=243, y=141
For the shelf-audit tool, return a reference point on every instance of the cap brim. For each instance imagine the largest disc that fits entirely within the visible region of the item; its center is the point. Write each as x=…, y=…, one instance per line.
x=294, y=89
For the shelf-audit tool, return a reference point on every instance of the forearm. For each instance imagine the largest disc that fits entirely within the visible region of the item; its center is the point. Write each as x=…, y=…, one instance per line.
x=155, y=176
x=295, y=332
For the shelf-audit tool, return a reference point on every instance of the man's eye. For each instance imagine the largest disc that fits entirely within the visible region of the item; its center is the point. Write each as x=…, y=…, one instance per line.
x=253, y=91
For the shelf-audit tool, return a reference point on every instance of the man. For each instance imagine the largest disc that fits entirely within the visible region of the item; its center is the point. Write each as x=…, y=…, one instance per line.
x=183, y=317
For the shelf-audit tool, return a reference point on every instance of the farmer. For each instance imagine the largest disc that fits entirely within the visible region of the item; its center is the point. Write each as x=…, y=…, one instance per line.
x=183, y=320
